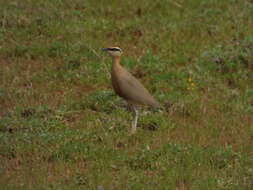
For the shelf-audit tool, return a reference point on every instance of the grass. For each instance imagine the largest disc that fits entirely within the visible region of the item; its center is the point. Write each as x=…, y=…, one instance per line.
x=62, y=127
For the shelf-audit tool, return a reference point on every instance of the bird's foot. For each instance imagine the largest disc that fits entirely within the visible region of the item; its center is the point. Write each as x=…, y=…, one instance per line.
x=133, y=131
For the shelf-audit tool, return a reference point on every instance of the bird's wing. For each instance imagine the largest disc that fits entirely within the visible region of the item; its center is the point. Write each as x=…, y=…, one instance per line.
x=134, y=91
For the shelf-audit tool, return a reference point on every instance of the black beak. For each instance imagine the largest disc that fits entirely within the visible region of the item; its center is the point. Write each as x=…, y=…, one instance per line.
x=104, y=49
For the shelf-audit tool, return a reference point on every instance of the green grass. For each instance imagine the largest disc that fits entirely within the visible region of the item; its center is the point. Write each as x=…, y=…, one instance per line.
x=62, y=126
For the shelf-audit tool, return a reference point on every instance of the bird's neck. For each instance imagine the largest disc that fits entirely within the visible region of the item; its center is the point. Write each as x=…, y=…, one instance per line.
x=116, y=61
x=116, y=67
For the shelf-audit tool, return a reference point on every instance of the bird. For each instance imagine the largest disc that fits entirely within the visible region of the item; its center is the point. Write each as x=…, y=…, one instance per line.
x=128, y=87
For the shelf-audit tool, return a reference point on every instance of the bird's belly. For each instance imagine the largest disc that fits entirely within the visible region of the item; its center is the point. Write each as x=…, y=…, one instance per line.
x=116, y=87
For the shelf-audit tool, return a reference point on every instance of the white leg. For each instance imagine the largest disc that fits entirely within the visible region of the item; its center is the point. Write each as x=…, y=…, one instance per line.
x=135, y=118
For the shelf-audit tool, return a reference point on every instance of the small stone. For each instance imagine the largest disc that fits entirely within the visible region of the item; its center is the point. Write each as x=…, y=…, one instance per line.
x=100, y=188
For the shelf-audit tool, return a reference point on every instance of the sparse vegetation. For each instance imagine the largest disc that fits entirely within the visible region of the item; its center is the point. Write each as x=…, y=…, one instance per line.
x=62, y=127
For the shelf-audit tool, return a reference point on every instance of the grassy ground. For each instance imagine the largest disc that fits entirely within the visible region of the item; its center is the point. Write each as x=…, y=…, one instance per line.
x=62, y=127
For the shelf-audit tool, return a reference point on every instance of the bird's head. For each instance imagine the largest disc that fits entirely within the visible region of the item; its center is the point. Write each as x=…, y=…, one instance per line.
x=113, y=51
